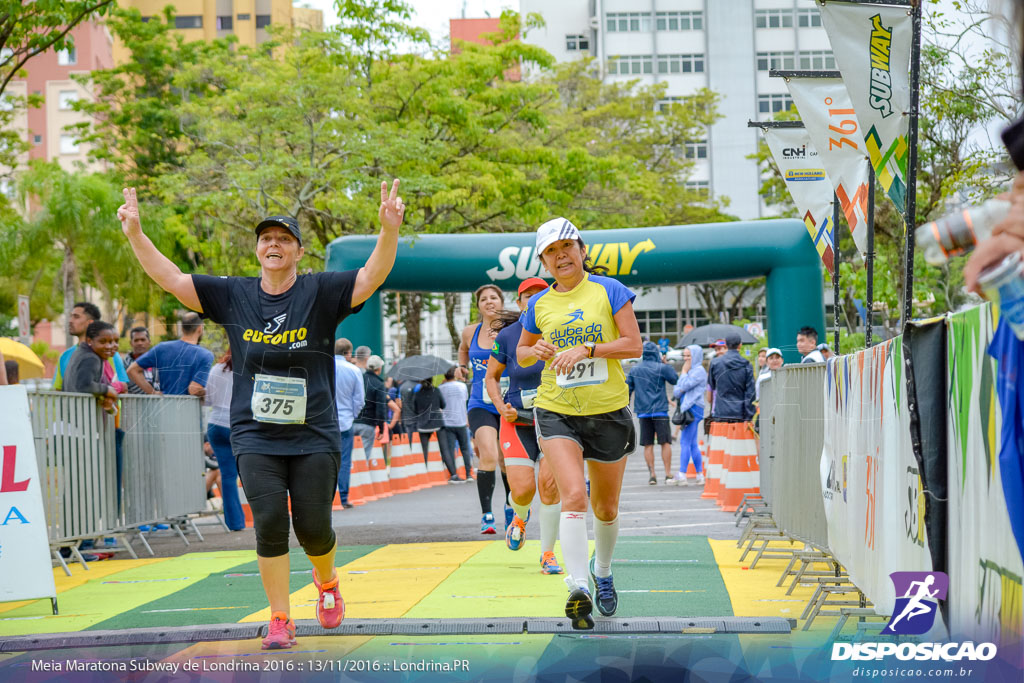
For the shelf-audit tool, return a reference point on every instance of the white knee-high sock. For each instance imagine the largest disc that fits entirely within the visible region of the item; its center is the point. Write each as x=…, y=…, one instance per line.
x=549, y=519
x=605, y=535
x=573, y=531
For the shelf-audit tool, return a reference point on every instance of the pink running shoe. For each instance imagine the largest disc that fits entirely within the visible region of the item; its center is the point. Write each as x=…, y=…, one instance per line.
x=281, y=634
x=330, y=608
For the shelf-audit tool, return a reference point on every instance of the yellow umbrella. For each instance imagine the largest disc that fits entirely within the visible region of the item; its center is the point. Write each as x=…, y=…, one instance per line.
x=29, y=365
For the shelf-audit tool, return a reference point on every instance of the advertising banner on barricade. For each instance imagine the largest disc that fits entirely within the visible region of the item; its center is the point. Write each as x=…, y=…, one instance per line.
x=870, y=480
x=871, y=44
x=985, y=569
x=25, y=569
x=808, y=185
x=832, y=126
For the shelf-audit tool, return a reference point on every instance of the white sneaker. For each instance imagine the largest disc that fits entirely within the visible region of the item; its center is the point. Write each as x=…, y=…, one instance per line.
x=670, y=481
x=700, y=480
x=681, y=480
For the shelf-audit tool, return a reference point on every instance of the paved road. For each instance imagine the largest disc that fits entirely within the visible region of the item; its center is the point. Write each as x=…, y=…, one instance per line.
x=452, y=513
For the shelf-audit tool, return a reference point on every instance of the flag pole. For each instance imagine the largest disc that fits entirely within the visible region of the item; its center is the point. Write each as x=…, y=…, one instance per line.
x=909, y=217
x=835, y=271
x=869, y=258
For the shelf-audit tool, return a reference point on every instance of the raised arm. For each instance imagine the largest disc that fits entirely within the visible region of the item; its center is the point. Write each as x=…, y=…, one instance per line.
x=382, y=260
x=157, y=266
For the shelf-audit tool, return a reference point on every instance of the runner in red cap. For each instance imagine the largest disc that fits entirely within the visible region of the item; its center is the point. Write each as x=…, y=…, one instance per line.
x=516, y=433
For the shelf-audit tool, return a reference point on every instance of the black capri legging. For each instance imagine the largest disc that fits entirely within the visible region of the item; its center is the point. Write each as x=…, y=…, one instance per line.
x=310, y=480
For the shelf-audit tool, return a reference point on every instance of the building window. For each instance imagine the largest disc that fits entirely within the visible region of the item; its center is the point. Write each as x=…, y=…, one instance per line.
x=37, y=139
x=225, y=23
x=189, y=21
x=817, y=59
x=627, y=65
x=262, y=20
x=701, y=187
x=773, y=18
x=773, y=104
x=808, y=17
x=68, y=57
x=65, y=98
x=68, y=144
x=680, y=21
x=775, y=60
x=697, y=150
x=243, y=17
x=676, y=64
x=665, y=103
x=577, y=43
x=622, y=22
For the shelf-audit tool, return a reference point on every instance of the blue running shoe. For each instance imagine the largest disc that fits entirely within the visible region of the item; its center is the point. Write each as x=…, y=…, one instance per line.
x=515, y=533
x=578, y=608
x=604, y=587
x=509, y=514
x=487, y=524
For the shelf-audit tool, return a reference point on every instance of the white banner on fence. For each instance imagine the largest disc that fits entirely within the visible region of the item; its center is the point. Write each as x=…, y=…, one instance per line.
x=985, y=568
x=870, y=479
x=25, y=569
x=871, y=44
x=832, y=126
x=808, y=184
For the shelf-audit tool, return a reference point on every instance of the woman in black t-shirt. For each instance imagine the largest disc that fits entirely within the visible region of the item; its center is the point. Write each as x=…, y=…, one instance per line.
x=284, y=426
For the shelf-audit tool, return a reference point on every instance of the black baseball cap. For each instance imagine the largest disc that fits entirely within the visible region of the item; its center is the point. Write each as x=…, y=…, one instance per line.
x=286, y=222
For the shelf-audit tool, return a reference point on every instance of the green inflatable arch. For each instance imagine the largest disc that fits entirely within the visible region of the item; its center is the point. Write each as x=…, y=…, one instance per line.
x=777, y=249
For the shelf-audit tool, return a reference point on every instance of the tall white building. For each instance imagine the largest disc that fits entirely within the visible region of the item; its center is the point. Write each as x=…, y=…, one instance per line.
x=725, y=45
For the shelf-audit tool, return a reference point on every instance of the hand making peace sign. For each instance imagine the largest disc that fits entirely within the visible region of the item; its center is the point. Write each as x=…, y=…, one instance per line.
x=128, y=213
x=392, y=209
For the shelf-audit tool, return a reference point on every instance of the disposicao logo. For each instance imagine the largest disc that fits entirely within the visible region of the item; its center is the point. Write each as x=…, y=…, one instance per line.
x=917, y=604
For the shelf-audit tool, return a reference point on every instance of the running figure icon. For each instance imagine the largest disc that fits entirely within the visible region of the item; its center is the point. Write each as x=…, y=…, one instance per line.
x=916, y=607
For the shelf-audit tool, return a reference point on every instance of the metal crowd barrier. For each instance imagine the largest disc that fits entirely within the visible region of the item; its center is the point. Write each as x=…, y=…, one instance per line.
x=792, y=433
x=162, y=477
x=75, y=453
x=163, y=467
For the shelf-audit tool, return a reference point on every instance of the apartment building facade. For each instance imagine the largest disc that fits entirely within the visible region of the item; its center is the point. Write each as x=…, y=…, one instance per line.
x=248, y=20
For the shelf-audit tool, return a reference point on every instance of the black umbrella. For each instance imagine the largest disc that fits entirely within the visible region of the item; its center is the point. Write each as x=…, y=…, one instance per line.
x=705, y=335
x=418, y=368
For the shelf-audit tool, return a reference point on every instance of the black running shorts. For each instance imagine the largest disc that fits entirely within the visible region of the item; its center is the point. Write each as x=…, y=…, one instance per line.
x=481, y=417
x=651, y=427
x=606, y=437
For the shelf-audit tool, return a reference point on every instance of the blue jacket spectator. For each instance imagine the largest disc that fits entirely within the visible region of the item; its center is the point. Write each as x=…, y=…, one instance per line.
x=732, y=379
x=648, y=380
x=689, y=390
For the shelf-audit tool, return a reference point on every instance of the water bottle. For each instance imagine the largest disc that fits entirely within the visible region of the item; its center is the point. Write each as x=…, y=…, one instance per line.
x=1005, y=282
x=959, y=232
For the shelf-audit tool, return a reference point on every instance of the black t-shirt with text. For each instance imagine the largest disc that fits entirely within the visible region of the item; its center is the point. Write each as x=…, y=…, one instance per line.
x=288, y=336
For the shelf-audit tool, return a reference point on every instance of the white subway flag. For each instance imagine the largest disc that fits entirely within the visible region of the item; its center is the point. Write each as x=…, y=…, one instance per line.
x=872, y=45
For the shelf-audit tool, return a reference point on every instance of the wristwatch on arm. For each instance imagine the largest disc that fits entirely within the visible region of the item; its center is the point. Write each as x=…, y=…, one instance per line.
x=591, y=348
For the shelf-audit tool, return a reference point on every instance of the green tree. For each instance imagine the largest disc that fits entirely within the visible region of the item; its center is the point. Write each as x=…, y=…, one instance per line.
x=28, y=29
x=71, y=236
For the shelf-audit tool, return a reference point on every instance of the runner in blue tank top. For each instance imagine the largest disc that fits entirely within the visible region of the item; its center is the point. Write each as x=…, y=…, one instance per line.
x=474, y=351
x=526, y=469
